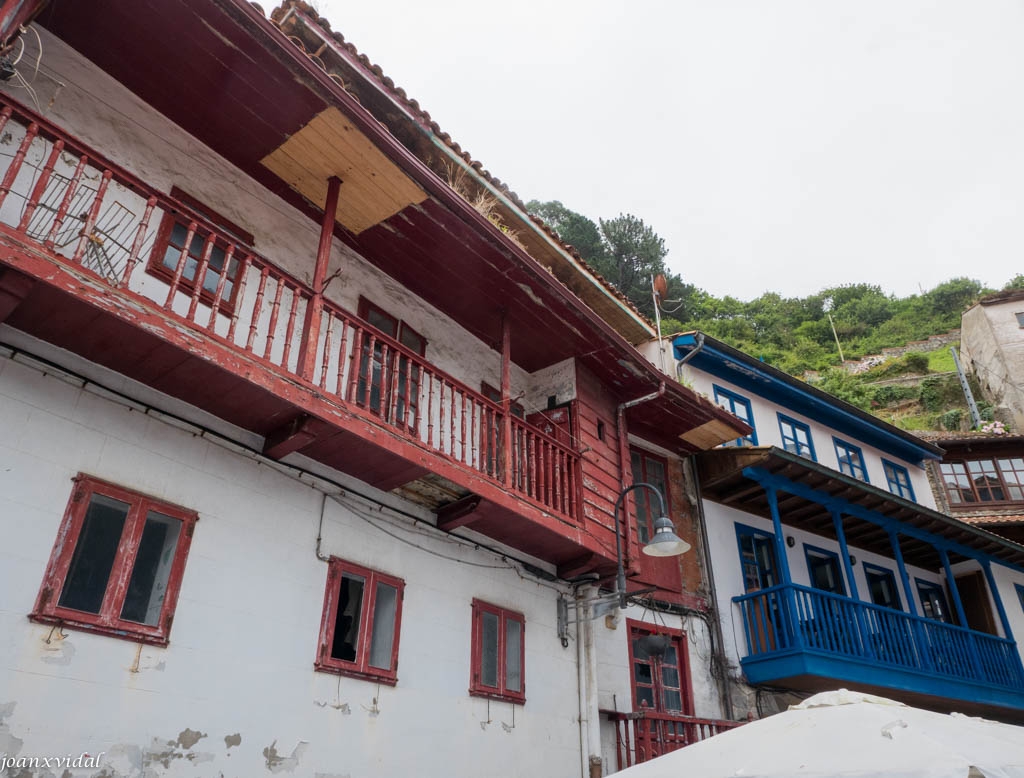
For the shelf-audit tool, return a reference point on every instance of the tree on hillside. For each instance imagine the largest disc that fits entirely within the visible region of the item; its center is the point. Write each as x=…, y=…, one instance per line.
x=574, y=228
x=635, y=253
x=1017, y=282
x=624, y=250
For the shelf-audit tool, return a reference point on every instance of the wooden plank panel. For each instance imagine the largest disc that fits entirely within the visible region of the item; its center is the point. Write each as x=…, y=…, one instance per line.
x=329, y=145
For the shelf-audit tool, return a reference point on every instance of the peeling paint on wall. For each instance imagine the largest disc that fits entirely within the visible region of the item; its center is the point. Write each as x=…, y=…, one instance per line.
x=9, y=744
x=230, y=741
x=280, y=764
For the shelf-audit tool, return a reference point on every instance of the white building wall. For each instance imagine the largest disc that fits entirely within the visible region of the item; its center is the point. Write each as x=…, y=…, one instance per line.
x=766, y=423
x=992, y=347
x=235, y=693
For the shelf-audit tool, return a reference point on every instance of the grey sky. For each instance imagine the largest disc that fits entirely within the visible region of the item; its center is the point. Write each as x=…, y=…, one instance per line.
x=783, y=146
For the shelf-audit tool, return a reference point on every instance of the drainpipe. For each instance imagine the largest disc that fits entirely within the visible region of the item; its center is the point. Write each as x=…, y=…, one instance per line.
x=717, y=636
x=626, y=479
x=586, y=664
x=688, y=357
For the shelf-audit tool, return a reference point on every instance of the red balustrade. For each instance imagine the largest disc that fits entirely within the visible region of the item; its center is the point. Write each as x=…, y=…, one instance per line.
x=58, y=193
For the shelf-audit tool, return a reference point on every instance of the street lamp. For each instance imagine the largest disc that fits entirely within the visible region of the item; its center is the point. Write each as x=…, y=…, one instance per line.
x=664, y=541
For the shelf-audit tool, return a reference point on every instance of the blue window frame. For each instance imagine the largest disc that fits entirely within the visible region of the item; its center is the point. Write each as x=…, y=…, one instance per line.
x=882, y=586
x=1020, y=594
x=851, y=460
x=757, y=558
x=933, y=601
x=740, y=408
x=796, y=437
x=825, y=570
x=899, y=480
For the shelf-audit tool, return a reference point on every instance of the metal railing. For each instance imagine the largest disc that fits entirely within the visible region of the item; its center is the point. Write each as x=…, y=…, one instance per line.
x=60, y=195
x=647, y=734
x=792, y=617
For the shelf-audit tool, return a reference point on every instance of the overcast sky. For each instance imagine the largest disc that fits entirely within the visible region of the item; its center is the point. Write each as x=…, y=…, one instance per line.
x=775, y=146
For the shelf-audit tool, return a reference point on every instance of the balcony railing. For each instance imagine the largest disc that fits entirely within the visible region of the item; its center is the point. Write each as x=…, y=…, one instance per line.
x=797, y=618
x=58, y=194
x=645, y=734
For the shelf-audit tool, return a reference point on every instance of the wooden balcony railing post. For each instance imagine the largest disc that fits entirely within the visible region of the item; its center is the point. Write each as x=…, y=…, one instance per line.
x=506, y=398
x=315, y=307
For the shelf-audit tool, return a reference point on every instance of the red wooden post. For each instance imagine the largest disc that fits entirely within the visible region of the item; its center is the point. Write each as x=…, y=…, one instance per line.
x=315, y=307
x=627, y=481
x=506, y=396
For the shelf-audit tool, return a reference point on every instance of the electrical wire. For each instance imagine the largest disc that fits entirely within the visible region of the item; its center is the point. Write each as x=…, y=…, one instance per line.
x=300, y=474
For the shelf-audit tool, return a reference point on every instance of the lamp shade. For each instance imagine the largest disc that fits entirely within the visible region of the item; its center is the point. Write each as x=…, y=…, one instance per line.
x=665, y=542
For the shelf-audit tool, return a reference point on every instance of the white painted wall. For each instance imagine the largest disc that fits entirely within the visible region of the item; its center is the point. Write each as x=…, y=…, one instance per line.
x=240, y=659
x=992, y=347
x=766, y=423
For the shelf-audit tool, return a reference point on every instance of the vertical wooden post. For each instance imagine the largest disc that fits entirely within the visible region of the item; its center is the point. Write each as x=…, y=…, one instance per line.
x=788, y=594
x=506, y=396
x=315, y=307
x=626, y=481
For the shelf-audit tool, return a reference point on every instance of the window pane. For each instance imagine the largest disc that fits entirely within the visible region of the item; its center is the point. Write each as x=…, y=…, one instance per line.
x=673, y=700
x=513, y=656
x=87, y=577
x=670, y=676
x=383, y=322
x=383, y=637
x=645, y=697
x=489, y=650
x=643, y=673
x=147, y=587
x=346, y=624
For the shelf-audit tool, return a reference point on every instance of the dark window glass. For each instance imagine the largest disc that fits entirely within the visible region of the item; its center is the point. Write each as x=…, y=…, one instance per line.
x=97, y=545
x=346, y=625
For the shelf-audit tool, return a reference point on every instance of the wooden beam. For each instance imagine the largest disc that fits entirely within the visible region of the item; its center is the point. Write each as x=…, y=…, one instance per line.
x=458, y=513
x=290, y=437
x=586, y=563
x=14, y=287
x=315, y=307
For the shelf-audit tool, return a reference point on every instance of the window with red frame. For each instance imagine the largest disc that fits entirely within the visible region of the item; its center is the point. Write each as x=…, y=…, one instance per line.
x=376, y=389
x=118, y=563
x=361, y=623
x=499, y=640
x=661, y=681
x=170, y=244
x=650, y=469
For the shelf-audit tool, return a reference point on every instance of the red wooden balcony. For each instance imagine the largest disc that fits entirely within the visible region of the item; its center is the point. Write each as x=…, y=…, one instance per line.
x=153, y=272
x=645, y=734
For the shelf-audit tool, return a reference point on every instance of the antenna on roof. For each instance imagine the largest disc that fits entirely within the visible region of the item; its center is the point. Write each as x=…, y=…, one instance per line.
x=659, y=288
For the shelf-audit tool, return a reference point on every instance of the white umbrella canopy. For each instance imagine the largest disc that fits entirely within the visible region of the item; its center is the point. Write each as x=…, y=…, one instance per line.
x=849, y=734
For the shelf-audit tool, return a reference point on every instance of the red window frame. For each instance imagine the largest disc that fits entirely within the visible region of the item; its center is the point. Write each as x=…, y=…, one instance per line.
x=227, y=231
x=642, y=497
x=108, y=621
x=359, y=667
x=637, y=629
x=376, y=371
x=399, y=327
x=477, y=687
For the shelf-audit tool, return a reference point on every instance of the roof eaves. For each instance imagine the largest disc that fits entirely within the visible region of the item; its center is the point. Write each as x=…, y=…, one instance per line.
x=773, y=374
x=447, y=145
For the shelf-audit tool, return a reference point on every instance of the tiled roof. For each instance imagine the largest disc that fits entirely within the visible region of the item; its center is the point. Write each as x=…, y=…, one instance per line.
x=412, y=106
x=939, y=437
x=1008, y=518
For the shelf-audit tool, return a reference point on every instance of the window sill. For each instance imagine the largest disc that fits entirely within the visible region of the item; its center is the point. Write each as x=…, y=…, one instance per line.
x=516, y=699
x=362, y=675
x=135, y=636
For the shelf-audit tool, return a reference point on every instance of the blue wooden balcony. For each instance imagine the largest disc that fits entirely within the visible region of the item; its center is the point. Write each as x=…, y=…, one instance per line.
x=805, y=638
